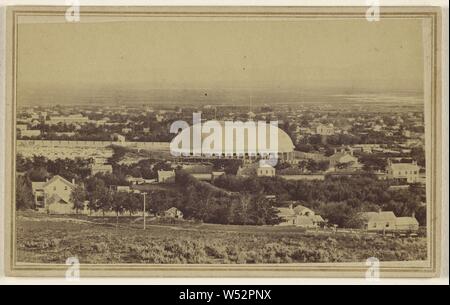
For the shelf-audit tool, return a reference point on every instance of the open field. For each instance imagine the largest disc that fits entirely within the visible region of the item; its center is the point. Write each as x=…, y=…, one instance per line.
x=52, y=239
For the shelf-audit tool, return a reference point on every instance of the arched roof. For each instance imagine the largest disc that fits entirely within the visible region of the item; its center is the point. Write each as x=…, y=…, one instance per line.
x=285, y=144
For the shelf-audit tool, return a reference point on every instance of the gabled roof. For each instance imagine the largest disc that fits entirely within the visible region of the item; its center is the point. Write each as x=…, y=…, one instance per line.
x=339, y=155
x=318, y=218
x=406, y=221
x=299, y=209
x=55, y=198
x=379, y=216
x=404, y=166
x=285, y=212
x=57, y=177
x=173, y=209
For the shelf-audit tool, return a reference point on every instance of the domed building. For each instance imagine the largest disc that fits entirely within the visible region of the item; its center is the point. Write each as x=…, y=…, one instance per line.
x=246, y=145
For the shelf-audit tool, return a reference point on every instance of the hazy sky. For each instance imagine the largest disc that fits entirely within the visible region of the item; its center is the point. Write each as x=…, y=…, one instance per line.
x=76, y=60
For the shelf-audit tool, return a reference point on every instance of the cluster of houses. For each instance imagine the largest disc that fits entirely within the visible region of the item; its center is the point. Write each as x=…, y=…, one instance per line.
x=31, y=119
x=382, y=221
x=340, y=163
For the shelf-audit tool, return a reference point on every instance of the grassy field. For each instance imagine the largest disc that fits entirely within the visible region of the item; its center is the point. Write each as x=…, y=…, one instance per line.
x=52, y=239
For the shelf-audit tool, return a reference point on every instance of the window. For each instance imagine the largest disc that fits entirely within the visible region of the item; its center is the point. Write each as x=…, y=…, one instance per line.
x=387, y=225
x=65, y=188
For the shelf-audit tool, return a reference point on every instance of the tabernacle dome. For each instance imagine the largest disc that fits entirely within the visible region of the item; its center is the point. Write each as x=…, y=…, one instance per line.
x=253, y=144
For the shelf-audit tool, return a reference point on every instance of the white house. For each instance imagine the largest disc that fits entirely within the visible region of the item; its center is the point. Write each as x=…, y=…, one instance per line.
x=387, y=221
x=173, y=213
x=166, y=176
x=404, y=171
x=54, y=195
x=265, y=170
x=379, y=221
x=345, y=159
x=299, y=216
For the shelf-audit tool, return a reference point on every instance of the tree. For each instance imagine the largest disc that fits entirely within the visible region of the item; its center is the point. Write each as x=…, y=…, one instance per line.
x=24, y=194
x=106, y=200
x=133, y=203
x=418, y=154
x=261, y=212
x=23, y=164
x=78, y=197
x=118, y=203
x=38, y=174
x=373, y=162
x=96, y=189
x=341, y=214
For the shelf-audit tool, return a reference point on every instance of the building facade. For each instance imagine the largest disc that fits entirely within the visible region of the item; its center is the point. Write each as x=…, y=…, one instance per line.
x=54, y=196
x=408, y=172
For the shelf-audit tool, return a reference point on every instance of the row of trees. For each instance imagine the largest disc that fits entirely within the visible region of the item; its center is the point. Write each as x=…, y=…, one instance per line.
x=102, y=198
x=204, y=202
x=338, y=199
x=38, y=168
x=197, y=200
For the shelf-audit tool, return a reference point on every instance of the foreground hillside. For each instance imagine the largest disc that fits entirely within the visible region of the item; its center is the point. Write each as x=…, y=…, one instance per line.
x=52, y=239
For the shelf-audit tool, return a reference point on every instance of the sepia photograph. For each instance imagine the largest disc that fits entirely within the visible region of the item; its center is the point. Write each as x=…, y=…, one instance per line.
x=230, y=141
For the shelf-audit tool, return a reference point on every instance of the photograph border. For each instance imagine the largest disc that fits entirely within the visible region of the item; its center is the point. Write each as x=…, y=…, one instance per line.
x=412, y=269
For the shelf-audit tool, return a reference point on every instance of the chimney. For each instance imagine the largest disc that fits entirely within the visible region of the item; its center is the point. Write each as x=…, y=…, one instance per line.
x=413, y=214
x=73, y=180
x=291, y=206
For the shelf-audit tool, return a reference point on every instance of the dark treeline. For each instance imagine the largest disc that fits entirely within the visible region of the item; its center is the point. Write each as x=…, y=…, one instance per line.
x=39, y=168
x=202, y=201
x=339, y=200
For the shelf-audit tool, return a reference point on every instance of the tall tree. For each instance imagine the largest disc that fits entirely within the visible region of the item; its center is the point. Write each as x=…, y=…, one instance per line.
x=78, y=197
x=24, y=194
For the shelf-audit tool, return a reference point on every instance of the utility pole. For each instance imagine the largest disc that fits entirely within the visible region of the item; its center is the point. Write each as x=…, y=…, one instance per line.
x=143, y=212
